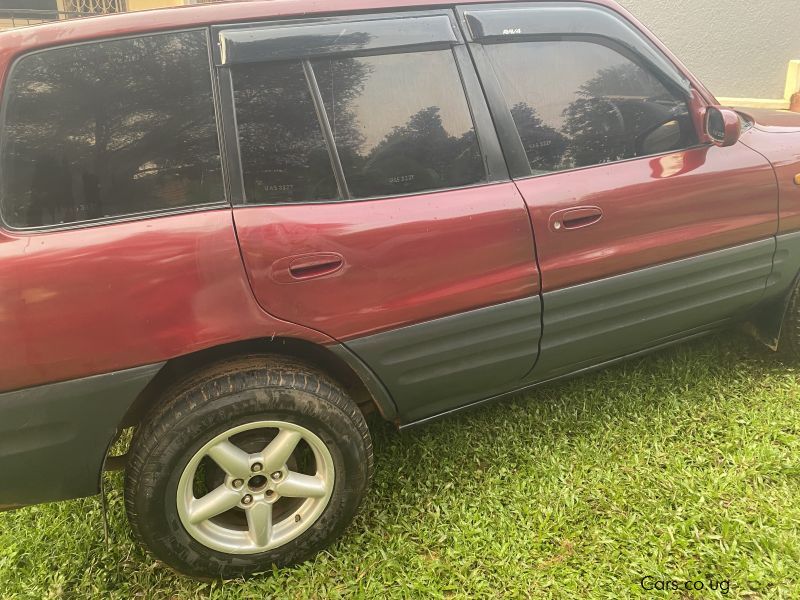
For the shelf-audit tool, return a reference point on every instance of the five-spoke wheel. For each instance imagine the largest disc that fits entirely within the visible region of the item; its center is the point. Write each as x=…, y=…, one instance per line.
x=262, y=502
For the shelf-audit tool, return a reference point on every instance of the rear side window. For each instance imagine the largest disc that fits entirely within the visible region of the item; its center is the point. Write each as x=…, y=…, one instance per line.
x=578, y=103
x=405, y=125
x=400, y=124
x=109, y=129
x=284, y=156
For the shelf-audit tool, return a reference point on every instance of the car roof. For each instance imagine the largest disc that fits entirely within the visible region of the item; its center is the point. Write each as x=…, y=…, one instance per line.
x=232, y=11
x=14, y=42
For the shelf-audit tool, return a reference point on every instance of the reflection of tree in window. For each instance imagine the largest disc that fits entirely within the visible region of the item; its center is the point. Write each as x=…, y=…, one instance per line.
x=544, y=145
x=624, y=80
x=596, y=130
x=284, y=156
x=422, y=148
x=400, y=124
x=580, y=103
x=110, y=128
x=405, y=127
x=613, y=110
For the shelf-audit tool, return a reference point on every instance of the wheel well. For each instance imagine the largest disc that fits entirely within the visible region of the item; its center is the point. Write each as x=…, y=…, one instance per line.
x=766, y=322
x=308, y=352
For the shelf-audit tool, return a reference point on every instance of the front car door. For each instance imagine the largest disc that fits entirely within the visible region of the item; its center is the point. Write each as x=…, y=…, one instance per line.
x=374, y=204
x=643, y=234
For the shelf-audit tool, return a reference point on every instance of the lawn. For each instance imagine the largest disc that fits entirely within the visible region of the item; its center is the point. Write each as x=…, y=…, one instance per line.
x=681, y=466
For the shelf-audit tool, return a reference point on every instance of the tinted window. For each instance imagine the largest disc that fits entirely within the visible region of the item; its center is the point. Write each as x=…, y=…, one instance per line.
x=401, y=122
x=111, y=128
x=284, y=156
x=578, y=104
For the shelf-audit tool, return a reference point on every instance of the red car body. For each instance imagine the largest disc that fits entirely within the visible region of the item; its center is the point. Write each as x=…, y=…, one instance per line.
x=90, y=301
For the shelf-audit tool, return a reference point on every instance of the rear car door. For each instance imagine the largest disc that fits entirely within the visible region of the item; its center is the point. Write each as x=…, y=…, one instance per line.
x=372, y=202
x=643, y=234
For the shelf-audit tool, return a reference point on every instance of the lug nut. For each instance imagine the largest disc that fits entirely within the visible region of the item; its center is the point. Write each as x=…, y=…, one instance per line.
x=276, y=475
x=256, y=467
x=237, y=483
x=247, y=499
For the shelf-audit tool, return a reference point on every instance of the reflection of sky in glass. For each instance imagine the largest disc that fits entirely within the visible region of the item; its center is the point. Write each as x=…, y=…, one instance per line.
x=548, y=75
x=397, y=86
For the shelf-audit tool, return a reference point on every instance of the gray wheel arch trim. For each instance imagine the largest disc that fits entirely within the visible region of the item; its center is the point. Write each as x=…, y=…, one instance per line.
x=767, y=321
x=434, y=366
x=383, y=399
x=59, y=433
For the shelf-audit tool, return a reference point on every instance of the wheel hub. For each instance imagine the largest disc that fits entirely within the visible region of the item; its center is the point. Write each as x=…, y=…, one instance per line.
x=258, y=483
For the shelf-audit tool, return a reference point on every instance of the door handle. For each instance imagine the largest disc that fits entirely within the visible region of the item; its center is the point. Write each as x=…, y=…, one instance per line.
x=575, y=218
x=292, y=269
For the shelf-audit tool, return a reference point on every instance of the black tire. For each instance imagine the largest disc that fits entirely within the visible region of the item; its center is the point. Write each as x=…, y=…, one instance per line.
x=228, y=394
x=789, y=341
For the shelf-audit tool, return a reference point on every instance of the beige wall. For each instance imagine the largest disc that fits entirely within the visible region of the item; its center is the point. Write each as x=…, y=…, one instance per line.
x=147, y=4
x=738, y=48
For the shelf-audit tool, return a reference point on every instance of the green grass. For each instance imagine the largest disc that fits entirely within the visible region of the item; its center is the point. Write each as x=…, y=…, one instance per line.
x=684, y=465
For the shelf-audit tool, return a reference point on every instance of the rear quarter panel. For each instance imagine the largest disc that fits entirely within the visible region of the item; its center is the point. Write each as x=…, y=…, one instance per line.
x=97, y=299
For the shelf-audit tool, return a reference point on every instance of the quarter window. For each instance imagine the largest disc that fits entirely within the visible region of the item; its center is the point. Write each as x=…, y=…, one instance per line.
x=577, y=104
x=111, y=128
x=400, y=124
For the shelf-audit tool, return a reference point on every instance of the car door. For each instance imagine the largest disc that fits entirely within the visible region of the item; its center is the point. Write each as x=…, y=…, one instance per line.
x=643, y=234
x=372, y=202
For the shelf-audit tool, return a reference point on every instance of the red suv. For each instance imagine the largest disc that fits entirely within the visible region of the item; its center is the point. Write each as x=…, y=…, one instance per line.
x=239, y=228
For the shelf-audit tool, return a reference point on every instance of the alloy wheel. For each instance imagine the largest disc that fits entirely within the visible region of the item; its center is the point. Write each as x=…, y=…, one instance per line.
x=255, y=487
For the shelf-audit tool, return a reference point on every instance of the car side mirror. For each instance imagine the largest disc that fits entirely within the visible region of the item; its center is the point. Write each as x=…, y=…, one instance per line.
x=723, y=126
